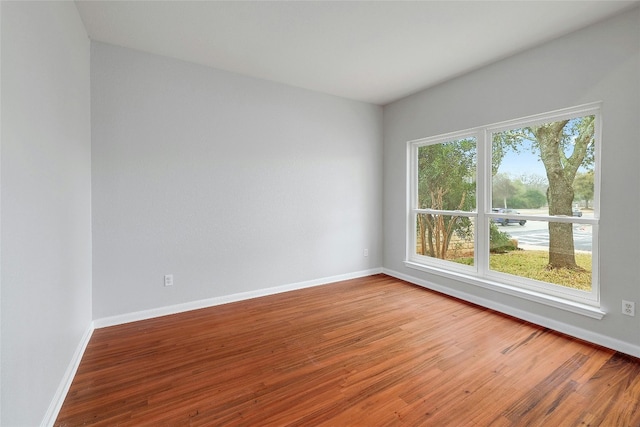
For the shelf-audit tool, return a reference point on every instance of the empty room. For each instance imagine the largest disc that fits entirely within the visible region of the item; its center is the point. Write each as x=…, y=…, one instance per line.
x=368, y=213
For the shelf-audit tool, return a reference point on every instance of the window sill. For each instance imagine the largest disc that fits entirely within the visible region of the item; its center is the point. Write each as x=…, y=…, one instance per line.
x=549, y=300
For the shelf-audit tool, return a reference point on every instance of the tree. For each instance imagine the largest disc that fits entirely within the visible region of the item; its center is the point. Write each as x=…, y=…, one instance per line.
x=564, y=147
x=518, y=193
x=583, y=187
x=446, y=181
x=503, y=189
x=535, y=181
x=534, y=198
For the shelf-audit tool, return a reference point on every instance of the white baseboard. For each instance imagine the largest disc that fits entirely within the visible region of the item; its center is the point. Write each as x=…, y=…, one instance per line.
x=58, y=399
x=574, y=331
x=210, y=302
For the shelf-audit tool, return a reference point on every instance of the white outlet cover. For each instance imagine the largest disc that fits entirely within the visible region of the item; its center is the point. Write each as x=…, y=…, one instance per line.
x=628, y=308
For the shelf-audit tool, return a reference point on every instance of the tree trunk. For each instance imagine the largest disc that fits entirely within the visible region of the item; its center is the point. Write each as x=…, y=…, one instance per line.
x=422, y=232
x=559, y=194
x=431, y=252
x=561, y=250
x=561, y=247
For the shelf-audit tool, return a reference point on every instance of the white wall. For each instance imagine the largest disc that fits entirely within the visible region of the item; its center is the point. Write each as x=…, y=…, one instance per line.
x=45, y=197
x=599, y=63
x=234, y=184
x=229, y=183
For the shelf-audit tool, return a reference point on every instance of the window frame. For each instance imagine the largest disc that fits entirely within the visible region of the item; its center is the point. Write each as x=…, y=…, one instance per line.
x=581, y=302
x=414, y=200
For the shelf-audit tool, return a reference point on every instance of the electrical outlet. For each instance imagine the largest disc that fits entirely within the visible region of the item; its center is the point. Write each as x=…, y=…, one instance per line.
x=365, y=252
x=628, y=308
x=168, y=279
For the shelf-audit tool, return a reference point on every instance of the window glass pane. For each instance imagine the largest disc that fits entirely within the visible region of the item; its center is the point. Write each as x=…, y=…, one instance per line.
x=447, y=175
x=558, y=253
x=446, y=237
x=546, y=168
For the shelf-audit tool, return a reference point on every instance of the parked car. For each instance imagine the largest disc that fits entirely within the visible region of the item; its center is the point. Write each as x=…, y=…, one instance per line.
x=576, y=212
x=507, y=221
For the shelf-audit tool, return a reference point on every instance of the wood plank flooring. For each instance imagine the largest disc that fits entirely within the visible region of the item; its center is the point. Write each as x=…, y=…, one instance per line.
x=374, y=351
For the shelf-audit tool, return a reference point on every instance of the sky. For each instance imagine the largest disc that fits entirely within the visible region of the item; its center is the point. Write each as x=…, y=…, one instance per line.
x=525, y=163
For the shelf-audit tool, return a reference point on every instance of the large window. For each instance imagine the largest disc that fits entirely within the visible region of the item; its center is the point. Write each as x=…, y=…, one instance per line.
x=511, y=206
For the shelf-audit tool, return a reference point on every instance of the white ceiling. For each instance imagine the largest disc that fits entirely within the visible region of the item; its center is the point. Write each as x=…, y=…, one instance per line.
x=371, y=51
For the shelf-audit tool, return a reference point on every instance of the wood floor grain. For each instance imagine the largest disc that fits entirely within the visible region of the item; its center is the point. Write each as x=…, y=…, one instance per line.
x=374, y=351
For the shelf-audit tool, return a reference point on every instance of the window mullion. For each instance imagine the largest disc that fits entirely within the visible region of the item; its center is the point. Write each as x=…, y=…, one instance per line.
x=483, y=202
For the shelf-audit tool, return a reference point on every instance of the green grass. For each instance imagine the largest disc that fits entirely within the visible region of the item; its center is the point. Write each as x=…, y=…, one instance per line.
x=533, y=265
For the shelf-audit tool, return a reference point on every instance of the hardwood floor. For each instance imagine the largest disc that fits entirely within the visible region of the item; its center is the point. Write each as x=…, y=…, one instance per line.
x=374, y=351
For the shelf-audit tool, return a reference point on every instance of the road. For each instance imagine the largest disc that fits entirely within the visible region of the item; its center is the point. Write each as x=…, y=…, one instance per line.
x=536, y=233
x=540, y=236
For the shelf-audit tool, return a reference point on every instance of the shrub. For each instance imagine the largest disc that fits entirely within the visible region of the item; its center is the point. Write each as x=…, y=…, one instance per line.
x=500, y=242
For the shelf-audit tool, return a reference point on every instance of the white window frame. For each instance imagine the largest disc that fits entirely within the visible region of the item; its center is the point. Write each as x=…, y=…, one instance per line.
x=581, y=302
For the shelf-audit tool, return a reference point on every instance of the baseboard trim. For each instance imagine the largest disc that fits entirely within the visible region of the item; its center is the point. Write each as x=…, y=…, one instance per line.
x=58, y=399
x=211, y=302
x=580, y=333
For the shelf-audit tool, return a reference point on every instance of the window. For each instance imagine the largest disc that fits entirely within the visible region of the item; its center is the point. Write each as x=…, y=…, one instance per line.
x=511, y=206
x=446, y=199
